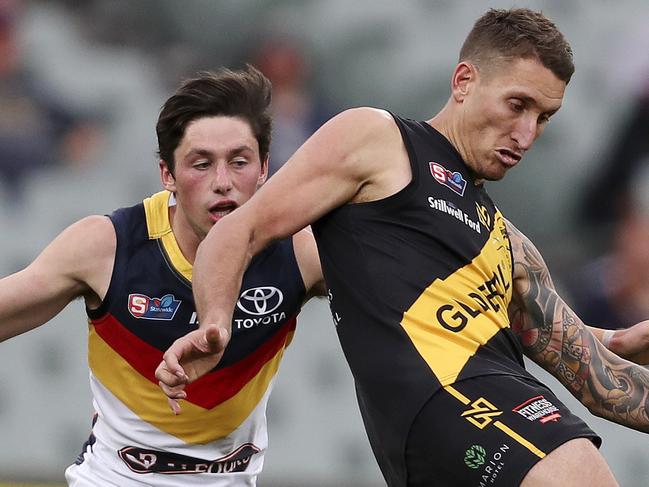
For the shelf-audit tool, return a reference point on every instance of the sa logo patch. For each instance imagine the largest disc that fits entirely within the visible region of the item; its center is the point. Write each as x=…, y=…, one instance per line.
x=142, y=306
x=452, y=180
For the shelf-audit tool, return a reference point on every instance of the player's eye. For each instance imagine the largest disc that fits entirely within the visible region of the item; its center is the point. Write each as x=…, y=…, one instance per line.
x=239, y=161
x=516, y=106
x=201, y=164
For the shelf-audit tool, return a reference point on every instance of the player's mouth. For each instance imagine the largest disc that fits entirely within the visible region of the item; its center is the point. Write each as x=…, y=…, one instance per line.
x=222, y=208
x=508, y=157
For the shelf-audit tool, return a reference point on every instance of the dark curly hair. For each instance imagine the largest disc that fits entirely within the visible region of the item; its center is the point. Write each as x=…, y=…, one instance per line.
x=245, y=94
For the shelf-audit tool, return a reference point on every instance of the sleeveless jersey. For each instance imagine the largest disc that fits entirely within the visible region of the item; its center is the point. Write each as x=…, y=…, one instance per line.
x=419, y=287
x=149, y=304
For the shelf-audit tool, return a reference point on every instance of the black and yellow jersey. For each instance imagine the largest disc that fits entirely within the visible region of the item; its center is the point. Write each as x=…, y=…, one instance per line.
x=419, y=287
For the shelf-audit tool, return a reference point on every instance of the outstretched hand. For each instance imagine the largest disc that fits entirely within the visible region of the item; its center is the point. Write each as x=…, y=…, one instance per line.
x=632, y=343
x=189, y=358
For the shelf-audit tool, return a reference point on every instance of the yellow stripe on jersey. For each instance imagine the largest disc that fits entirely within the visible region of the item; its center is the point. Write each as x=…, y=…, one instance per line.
x=457, y=395
x=156, y=208
x=515, y=436
x=498, y=424
x=453, y=317
x=196, y=425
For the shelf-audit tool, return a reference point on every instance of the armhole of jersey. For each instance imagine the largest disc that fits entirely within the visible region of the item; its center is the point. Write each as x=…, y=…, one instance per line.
x=102, y=309
x=296, y=264
x=412, y=154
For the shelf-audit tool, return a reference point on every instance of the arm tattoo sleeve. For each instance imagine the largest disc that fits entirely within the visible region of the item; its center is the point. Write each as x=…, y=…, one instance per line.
x=554, y=337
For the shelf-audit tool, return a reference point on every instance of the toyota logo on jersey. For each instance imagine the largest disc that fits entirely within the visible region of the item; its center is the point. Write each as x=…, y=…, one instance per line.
x=260, y=300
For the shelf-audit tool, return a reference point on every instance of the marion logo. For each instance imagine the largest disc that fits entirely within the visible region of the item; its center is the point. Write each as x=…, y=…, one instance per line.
x=142, y=306
x=452, y=180
x=490, y=466
x=538, y=408
x=474, y=457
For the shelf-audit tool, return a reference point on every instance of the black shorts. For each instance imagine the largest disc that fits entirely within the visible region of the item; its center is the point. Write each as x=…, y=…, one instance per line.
x=488, y=431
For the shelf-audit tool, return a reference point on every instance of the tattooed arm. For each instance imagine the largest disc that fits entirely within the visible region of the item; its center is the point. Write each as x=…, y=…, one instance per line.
x=555, y=338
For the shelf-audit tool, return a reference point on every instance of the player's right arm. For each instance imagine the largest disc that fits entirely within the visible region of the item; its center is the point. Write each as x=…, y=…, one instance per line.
x=346, y=159
x=350, y=158
x=77, y=263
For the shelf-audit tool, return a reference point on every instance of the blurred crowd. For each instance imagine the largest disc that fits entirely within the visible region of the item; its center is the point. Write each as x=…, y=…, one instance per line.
x=41, y=130
x=612, y=290
x=37, y=130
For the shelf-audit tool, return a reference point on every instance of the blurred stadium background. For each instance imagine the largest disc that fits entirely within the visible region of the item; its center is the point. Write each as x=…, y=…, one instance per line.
x=115, y=62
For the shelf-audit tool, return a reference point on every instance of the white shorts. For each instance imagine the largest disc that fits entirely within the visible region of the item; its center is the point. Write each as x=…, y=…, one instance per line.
x=102, y=467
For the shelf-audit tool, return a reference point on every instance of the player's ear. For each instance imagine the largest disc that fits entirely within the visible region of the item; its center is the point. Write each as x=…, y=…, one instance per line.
x=263, y=175
x=167, y=177
x=464, y=75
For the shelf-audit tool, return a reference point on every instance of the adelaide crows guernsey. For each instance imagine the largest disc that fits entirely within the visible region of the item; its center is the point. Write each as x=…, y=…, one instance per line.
x=419, y=287
x=220, y=437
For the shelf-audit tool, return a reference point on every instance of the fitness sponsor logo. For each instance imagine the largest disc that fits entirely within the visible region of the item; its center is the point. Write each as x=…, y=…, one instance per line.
x=490, y=296
x=142, y=306
x=476, y=457
x=451, y=179
x=481, y=413
x=261, y=304
x=452, y=210
x=538, y=409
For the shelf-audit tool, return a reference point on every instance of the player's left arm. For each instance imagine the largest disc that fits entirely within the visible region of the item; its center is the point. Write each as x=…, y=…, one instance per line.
x=555, y=338
x=630, y=343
